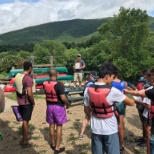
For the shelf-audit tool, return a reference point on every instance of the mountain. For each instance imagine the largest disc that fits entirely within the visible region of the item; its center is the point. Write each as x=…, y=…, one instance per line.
x=77, y=30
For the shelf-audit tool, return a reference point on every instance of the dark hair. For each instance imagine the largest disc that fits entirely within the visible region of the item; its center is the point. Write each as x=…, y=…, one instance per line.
x=151, y=70
x=144, y=72
x=108, y=68
x=27, y=65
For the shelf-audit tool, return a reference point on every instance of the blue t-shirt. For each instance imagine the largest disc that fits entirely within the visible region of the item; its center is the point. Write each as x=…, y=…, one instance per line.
x=89, y=83
x=119, y=85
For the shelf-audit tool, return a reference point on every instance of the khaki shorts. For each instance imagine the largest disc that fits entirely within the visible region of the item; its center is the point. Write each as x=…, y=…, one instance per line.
x=78, y=76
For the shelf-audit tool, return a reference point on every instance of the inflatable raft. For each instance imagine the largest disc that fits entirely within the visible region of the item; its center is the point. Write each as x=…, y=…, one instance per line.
x=39, y=82
x=13, y=73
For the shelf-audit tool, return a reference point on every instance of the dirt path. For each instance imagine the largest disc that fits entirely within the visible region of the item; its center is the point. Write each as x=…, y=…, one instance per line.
x=39, y=131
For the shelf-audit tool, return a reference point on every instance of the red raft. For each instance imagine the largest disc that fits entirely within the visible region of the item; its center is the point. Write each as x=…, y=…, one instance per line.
x=10, y=88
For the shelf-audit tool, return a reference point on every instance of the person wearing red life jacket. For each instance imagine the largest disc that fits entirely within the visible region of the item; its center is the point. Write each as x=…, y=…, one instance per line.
x=148, y=104
x=56, y=112
x=99, y=105
x=91, y=78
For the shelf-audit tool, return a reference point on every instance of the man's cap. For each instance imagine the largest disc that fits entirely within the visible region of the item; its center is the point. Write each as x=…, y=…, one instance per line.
x=93, y=74
x=79, y=55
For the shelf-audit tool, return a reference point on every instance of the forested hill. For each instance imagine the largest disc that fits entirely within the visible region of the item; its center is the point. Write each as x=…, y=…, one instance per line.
x=77, y=30
x=63, y=31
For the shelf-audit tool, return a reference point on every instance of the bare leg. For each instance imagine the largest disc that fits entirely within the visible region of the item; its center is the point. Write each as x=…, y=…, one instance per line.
x=80, y=83
x=84, y=125
x=25, y=131
x=147, y=132
x=143, y=128
x=52, y=134
x=58, y=136
x=75, y=83
x=121, y=130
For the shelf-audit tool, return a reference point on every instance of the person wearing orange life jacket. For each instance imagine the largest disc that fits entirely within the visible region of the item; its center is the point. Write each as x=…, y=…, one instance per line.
x=91, y=78
x=99, y=105
x=55, y=113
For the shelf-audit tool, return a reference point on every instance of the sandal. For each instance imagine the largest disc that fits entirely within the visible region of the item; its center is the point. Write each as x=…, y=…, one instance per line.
x=52, y=147
x=122, y=150
x=26, y=145
x=80, y=137
x=59, y=151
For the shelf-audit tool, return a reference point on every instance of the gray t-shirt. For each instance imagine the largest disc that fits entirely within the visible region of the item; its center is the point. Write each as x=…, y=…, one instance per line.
x=79, y=64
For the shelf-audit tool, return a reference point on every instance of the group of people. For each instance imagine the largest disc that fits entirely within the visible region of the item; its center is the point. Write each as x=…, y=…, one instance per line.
x=105, y=100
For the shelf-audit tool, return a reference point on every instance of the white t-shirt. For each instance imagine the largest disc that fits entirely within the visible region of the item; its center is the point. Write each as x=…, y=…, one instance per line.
x=105, y=126
x=146, y=100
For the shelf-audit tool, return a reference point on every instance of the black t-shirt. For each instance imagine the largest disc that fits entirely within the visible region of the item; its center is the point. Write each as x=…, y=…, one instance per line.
x=60, y=90
x=150, y=93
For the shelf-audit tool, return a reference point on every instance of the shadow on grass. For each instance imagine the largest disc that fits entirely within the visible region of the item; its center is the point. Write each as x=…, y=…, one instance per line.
x=11, y=139
x=131, y=144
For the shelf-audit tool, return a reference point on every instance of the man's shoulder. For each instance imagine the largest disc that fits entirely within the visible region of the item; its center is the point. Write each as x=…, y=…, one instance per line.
x=27, y=77
x=60, y=85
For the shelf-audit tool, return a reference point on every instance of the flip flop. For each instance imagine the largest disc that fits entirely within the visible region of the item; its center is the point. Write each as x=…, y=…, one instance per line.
x=26, y=145
x=52, y=147
x=59, y=151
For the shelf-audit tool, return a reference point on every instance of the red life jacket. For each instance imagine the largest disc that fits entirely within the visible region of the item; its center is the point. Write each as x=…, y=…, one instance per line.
x=99, y=105
x=50, y=92
x=151, y=112
x=140, y=85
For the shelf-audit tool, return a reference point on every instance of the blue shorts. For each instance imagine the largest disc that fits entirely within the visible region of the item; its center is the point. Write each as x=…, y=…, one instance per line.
x=105, y=143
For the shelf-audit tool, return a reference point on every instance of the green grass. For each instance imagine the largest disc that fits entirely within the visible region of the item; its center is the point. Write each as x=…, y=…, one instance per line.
x=32, y=127
x=77, y=120
x=36, y=137
x=71, y=138
x=12, y=96
x=3, y=75
x=39, y=96
x=42, y=151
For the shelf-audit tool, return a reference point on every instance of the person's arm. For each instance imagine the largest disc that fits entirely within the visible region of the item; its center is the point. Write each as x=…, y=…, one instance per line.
x=140, y=93
x=87, y=108
x=61, y=92
x=2, y=101
x=87, y=111
x=74, y=65
x=28, y=84
x=65, y=101
x=128, y=101
x=30, y=95
x=143, y=104
x=83, y=65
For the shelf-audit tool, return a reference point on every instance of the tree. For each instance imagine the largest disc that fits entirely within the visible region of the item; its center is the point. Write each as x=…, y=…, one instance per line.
x=50, y=48
x=127, y=34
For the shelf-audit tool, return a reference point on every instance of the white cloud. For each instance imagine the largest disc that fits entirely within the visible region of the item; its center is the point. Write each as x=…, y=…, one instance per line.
x=25, y=13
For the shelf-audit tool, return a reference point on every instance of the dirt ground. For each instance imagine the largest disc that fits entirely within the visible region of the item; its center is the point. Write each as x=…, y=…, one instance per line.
x=39, y=132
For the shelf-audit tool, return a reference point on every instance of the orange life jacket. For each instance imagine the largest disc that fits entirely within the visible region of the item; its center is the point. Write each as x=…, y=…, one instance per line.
x=151, y=112
x=101, y=108
x=50, y=92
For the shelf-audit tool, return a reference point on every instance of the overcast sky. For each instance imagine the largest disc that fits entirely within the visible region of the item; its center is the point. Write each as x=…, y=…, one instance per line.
x=17, y=14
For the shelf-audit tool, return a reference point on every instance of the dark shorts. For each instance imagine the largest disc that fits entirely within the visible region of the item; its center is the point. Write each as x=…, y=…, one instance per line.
x=26, y=111
x=56, y=114
x=121, y=109
x=149, y=121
